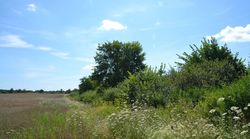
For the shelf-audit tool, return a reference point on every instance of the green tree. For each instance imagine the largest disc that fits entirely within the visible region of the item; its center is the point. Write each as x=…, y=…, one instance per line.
x=87, y=84
x=209, y=65
x=115, y=60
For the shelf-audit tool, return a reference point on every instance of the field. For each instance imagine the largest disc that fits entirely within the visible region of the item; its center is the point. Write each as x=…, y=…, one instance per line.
x=18, y=111
x=53, y=116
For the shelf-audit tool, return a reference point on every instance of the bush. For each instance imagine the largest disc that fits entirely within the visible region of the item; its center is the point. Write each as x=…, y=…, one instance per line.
x=146, y=87
x=111, y=94
x=87, y=84
x=209, y=65
x=206, y=74
x=89, y=97
x=225, y=99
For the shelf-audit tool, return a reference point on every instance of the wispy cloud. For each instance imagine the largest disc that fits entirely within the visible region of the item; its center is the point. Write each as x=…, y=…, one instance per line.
x=108, y=25
x=84, y=59
x=234, y=34
x=62, y=55
x=44, y=48
x=89, y=67
x=13, y=41
x=45, y=34
x=31, y=7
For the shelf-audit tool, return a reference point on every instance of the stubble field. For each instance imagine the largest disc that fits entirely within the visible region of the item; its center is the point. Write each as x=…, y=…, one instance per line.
x=18, y=111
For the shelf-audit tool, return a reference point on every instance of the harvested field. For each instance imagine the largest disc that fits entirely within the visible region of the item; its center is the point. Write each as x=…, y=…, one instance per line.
x=18, y=110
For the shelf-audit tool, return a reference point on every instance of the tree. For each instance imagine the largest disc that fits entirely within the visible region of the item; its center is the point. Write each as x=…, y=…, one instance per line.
x=210, y=65
x=115, y=60
x=87, y=84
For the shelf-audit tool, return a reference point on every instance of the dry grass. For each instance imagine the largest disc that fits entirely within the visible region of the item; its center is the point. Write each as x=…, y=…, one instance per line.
x=18, y=110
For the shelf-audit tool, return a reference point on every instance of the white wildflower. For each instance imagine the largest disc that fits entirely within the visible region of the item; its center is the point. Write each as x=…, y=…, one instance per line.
x=234, y=108
x=236, y=118
x=212, y=111
x=243, y=132
x=224, y=114
x=248, y=105
x=245, y=108
x=238, y=111
x=220, y=99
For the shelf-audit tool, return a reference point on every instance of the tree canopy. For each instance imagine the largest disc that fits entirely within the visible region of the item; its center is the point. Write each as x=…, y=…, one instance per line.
x=115, y=60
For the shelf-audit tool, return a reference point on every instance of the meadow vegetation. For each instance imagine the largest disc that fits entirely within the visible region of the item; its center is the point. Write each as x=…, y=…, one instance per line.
x=206, y=96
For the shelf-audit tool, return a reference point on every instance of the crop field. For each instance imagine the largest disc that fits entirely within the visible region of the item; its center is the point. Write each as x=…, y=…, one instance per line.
x=18, y=111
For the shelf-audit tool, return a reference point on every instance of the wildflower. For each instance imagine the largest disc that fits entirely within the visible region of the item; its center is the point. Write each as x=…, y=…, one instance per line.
x=224, y=114
x=236, y=118
x=220, y=99
x=248, y=105
x=243, y=132
x=245, y=108
x=248, y=124
x=238, y=111
x=212, y=111
x=234, y=108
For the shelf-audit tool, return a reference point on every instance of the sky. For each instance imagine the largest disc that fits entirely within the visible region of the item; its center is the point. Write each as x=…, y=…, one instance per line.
x=51, y=44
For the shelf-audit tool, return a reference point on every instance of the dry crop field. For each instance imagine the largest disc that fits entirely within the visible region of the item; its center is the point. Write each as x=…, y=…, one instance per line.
x=18, y=110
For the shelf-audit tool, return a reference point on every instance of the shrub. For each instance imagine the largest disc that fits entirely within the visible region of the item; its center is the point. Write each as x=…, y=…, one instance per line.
x=234, y=95
x=87, y=84
x=89, y=96
x=209, y=65
x=111, y=94
x=146, y=87
x=206, y=74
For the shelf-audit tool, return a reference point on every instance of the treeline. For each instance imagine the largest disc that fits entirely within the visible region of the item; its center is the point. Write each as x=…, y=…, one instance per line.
x=61, y=91
x=120, y=76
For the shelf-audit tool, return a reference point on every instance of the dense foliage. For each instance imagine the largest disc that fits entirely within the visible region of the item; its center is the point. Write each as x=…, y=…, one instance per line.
x=87, y=84
x=209, y=65
x=115, y=60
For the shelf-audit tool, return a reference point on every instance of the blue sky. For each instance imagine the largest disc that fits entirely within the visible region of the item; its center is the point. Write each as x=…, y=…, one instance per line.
x=50, y=44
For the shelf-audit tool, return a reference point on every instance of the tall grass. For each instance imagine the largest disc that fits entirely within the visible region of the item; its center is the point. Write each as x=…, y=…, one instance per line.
x=107, y=121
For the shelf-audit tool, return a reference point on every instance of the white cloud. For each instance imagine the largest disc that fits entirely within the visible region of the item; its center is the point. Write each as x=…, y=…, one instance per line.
x=89, y=67
x=44, y=48
x=62, y=55
x=13, y=41
x=31, y=7
x=234, y=34
x=83, y=59
x=108, y=25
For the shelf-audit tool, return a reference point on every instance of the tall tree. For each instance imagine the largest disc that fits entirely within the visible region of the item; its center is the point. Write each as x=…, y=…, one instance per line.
x=115, y=60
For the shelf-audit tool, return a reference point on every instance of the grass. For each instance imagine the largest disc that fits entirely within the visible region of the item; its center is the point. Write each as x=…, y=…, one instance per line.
x=107, y=121
x=17, y=111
